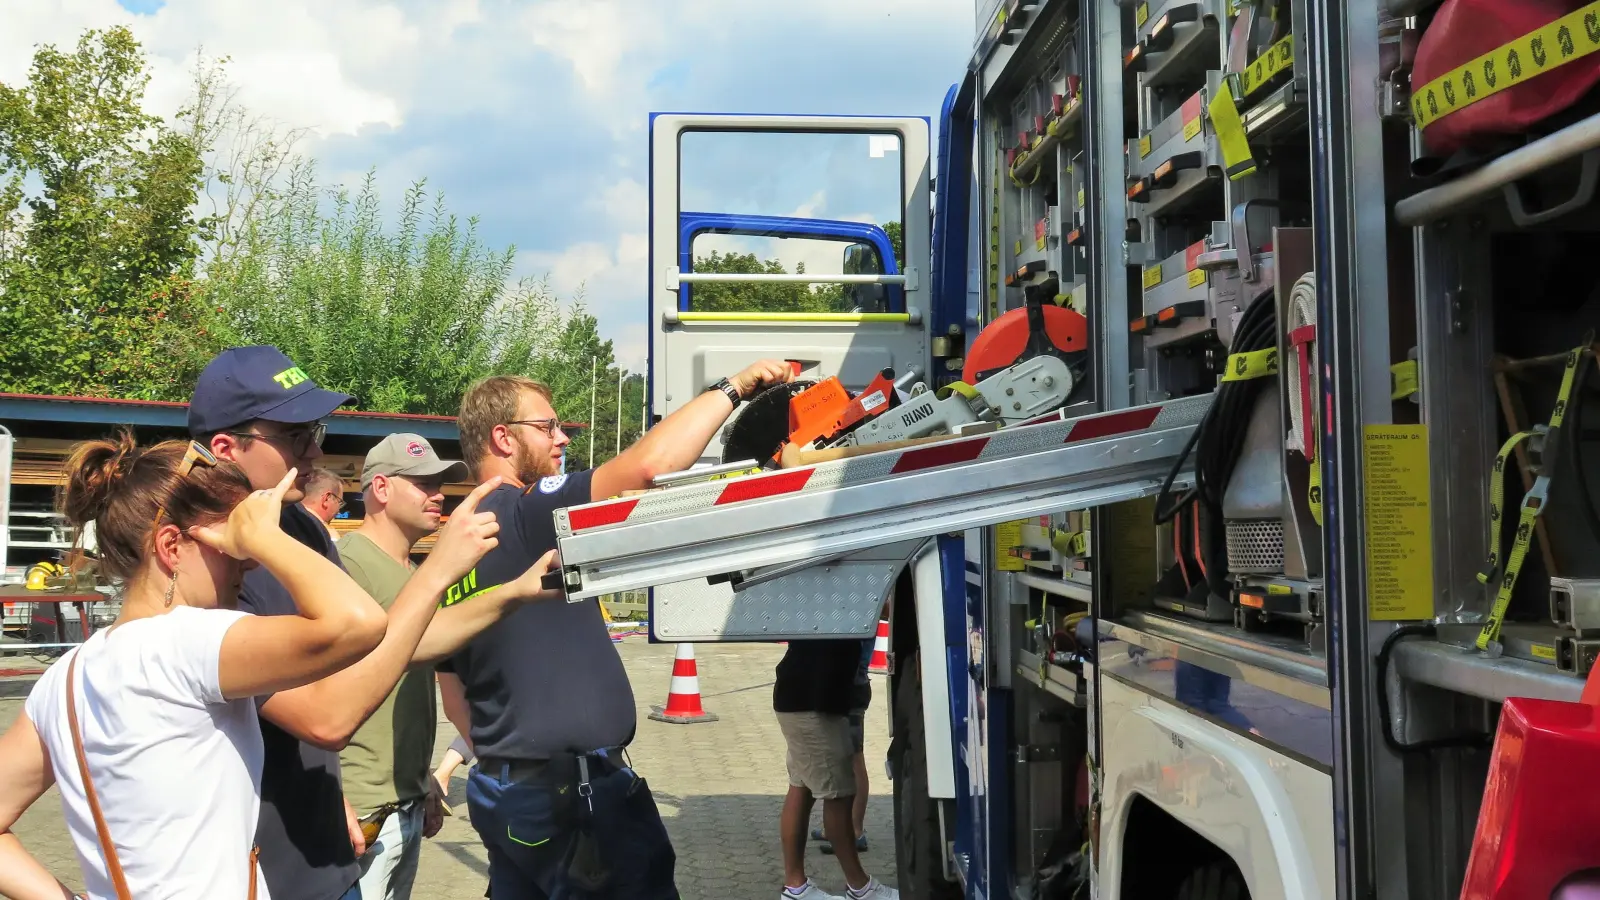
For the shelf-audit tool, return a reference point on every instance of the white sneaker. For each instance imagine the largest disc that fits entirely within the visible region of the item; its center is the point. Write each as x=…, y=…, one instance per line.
x=812, y=892
x=876, y=891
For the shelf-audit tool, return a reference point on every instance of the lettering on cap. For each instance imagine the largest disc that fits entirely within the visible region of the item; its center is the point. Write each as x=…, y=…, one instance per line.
x=288, y=378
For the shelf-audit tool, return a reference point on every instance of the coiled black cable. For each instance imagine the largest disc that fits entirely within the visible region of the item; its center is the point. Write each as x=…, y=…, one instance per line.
x=1219, y=438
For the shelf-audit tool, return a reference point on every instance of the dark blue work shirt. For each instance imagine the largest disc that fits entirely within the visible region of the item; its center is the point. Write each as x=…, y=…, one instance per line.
x=546, y=679
x=305, y=845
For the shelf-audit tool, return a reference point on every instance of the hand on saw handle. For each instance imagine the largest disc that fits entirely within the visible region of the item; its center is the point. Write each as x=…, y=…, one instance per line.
x=763, y=374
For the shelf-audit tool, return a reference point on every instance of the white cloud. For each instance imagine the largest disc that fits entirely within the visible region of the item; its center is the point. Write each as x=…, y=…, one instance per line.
x=531, y=114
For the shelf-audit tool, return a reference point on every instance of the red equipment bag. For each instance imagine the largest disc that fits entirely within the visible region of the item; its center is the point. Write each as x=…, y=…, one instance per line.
x=1539, y=826
x=1487, y=68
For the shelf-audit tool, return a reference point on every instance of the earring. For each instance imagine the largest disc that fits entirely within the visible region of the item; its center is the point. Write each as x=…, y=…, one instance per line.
x=172, y=586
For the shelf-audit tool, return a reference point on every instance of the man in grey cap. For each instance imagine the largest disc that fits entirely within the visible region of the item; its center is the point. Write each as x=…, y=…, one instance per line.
x=387, y=766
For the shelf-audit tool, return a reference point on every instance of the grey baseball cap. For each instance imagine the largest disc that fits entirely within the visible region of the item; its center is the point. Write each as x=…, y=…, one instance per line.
x=409, y=454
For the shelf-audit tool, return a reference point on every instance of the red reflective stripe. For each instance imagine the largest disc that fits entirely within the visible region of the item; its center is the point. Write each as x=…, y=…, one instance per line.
x=1112, y=423
x=605, y=514
x=765, y=486
x=939, y=455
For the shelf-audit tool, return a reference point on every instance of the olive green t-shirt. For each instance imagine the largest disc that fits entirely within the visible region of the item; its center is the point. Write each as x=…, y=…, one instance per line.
x=390, y=758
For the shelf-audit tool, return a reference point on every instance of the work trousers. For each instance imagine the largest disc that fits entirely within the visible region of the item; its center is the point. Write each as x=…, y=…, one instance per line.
x=559, y=831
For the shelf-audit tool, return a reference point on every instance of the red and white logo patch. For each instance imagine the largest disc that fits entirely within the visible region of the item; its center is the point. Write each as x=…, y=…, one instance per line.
x=415, y=449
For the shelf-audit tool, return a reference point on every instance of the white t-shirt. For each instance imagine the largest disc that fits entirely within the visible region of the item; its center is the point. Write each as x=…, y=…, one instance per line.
x=177, y=768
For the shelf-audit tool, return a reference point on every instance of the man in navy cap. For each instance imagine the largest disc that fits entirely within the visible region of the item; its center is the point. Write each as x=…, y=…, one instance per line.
x=254, y=407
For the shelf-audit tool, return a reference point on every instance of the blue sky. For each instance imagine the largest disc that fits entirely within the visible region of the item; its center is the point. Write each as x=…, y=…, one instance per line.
x=533, y=114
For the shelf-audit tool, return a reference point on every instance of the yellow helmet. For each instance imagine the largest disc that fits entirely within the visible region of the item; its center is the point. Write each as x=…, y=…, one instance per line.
x=41, y=571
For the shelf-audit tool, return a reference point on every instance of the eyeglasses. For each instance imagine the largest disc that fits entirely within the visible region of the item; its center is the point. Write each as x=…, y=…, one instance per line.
x=299, y=441
x=196, y=454
x=548, y=426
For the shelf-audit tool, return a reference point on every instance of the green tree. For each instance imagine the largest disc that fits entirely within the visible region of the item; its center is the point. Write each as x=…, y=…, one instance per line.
x=761, y=297
x=402, y=316
x=897, y=240
x=97, y=240
x=579, y=366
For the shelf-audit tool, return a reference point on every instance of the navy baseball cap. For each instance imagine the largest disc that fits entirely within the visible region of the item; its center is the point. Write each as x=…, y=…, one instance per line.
x=247, y=383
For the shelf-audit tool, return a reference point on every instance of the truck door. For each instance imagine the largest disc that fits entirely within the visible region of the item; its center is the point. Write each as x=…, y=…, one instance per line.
x=766, y=240
x=803, y=238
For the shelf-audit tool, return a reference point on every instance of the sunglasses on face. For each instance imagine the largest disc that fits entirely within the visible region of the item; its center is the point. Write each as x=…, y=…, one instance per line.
x=298, y=441
x=197, y=454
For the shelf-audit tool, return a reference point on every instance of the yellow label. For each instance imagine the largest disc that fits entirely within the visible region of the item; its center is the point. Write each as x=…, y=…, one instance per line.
x=1273, y=60
x=739, y=474
x=1543, y=651
x=1152, y=277
x=1144, y=146
x=1399, y=530
x=1197, y=277
x=1278, y=589
x=1008, y=537
x=1403, y=379
x=1080, y=198
x=1141, y=15
x=1229, y=128
x=1573, y=36
x=1255, y=364
x=1018, y=250
x=1191, y=128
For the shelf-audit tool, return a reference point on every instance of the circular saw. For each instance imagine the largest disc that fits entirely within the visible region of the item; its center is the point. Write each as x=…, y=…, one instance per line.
x=762, y=427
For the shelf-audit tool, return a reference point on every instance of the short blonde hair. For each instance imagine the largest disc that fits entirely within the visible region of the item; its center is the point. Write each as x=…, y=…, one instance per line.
x=489, y=402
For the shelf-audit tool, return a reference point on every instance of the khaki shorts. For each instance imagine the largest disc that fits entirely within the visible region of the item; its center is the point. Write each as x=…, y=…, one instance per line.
x=820, y=753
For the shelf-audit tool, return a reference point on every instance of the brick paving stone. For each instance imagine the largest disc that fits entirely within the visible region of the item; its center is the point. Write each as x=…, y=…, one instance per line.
x=719, y=785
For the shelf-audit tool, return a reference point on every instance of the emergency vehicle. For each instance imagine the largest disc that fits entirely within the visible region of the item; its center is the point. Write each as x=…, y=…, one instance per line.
x=1218, y=445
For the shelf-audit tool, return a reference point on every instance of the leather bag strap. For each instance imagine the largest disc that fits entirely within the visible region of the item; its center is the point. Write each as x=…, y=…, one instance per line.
x=107, y=849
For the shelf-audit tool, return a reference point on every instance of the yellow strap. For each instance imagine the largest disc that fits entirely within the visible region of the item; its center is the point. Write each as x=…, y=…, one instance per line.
x=1224, y=112
x=1273, y=60
x=1533, y=503
x=1404, y=379
x=1573, y=36
x=994, y=237
x=1070, y=543
x=1497, y=494
x=1314, y=492
x=957, y=387
x=1255, y=364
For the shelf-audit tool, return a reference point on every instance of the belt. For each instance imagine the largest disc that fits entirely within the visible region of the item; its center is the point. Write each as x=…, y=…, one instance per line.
x=535, y=769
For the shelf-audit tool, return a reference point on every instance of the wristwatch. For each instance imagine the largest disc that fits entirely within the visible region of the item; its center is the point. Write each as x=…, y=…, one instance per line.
x=727, y=387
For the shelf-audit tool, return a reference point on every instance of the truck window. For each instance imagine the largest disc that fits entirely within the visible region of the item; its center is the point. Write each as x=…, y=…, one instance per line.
x=764, y=254
x=768, y=203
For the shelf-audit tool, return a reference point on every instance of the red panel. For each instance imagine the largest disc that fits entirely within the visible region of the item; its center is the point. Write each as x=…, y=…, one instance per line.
x=1191, y=255
x=939, y=455
x=1112, y=423
x=1538, y=820
x=605, y=514
x=1191, y=108
x=765, y=486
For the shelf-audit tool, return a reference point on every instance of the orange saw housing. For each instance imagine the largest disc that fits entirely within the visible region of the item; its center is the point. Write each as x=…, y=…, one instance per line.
x=1058, y=331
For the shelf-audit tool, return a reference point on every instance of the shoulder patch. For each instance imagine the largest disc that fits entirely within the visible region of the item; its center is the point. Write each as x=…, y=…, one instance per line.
x=551, y=484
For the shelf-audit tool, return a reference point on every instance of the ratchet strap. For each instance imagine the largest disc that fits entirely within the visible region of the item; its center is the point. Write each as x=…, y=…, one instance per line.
x=1573, y=36
x=1254, y=364
x=1533, y=502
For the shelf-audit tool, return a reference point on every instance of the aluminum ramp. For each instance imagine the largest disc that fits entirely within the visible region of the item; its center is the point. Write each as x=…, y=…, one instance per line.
x=830, y=510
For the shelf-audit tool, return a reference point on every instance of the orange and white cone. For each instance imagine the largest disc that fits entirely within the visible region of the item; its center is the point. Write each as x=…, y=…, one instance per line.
x=683, y=696
x=879, y=664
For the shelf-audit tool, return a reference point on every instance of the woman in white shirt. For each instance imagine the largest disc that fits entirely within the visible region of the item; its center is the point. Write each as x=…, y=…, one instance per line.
x=163, y=697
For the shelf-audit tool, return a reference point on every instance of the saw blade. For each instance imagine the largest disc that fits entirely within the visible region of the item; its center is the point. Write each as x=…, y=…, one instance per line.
x=762, y=425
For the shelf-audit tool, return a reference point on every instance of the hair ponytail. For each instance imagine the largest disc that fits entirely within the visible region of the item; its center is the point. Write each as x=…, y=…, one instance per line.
x=120, y=486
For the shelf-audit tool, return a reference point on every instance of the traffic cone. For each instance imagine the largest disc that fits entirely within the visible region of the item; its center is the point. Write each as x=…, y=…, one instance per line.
x=879, y=664
x=683, y=697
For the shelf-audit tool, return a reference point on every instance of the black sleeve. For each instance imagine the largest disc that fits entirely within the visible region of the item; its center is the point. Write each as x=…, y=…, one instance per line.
x=537, y=506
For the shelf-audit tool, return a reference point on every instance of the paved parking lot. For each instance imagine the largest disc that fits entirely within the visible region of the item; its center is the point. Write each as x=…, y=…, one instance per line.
x=720, y=785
